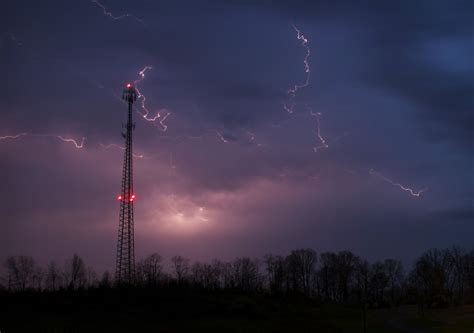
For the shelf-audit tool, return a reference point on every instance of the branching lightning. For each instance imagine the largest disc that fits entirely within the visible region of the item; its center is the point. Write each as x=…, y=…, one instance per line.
x=323, y=144
x=290, y=105
x=113, y=145
x=77, y=144
x=11, y=37
x=12, y=137
x=161, y=116
x=292, y=92
x=253, y=138
x=158, y=116
x=109, y=14
x=404, y=188
x=221, y=137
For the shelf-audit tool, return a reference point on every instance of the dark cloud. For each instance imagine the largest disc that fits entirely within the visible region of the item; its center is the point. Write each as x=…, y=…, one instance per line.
x=463, y=213
x=391, y=81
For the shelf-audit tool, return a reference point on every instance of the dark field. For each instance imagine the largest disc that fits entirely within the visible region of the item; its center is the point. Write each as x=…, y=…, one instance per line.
x=144, y=310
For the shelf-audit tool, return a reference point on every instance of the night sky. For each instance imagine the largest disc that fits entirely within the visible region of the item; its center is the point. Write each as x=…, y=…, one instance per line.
x=234, y=174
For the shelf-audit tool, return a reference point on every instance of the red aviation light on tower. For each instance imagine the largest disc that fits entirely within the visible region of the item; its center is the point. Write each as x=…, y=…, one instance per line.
x=119, y=197
x=129, y=85
x=132, y=197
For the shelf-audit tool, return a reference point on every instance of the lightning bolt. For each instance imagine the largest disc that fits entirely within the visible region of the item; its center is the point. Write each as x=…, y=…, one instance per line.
x=323, y=144
x=78, y=145
x=161, y=115
x=113, y=145
x=109, y=14
x=290, y=105
x=252, y=138
x=158, y=116
x=162, y=121
x=221, y=137
x=12, y=37
x=292, y=92
x=404, y=188
x=12, y=137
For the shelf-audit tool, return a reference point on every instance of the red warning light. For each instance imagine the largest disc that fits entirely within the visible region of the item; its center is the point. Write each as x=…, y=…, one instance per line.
x=132, y=197
x=129, y=85
x=119, y=197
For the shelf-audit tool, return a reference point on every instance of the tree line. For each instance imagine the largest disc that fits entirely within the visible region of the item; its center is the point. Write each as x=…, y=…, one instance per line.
x=439, y=277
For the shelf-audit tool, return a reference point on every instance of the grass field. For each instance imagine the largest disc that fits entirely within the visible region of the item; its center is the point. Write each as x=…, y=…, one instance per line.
x=458, y=319
x=214, y=312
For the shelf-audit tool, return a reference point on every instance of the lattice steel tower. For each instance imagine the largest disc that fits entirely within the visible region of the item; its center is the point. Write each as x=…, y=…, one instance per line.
x=125, y=264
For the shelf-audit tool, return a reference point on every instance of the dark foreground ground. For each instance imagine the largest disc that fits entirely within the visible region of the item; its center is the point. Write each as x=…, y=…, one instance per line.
x=181, y=311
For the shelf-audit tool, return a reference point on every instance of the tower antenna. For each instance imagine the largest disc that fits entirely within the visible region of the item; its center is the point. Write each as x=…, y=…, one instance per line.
x=125, y=263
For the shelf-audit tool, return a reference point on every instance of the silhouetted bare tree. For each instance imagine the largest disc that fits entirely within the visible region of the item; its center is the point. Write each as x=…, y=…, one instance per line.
x=149, y=270
x=301, y=266
x=336, y=275
x=21, y=272
x=75, y=273
x=206, y=275
x=438, y=277
x=226, y=275
x=38, y=278
x=181, y=268
x=378, y=282
x=459, y=263
x=346, y=263
x=106, y=280
x=362, y=276
x=327, y=282
x=394, y=272
x=427, y=278
x=362, y=287
x=276, y=273
x=246, y=275
x=53, y=277
x=92, y=279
